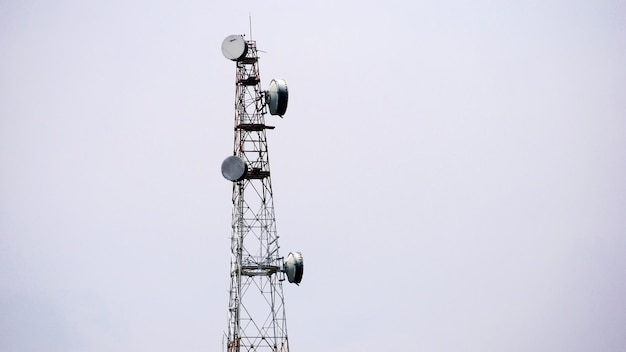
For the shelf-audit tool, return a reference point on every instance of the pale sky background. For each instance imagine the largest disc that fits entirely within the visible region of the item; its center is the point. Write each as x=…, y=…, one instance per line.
x=453, y=172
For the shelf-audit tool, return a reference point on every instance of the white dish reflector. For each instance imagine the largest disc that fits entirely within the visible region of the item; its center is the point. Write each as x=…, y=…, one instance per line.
x=277, y=97
x=234, y=47
x=234, y=169
x=294, y=267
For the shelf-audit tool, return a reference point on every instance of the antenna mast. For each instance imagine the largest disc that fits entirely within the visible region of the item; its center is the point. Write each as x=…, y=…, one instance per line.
x=250, y=18
x=256, y=310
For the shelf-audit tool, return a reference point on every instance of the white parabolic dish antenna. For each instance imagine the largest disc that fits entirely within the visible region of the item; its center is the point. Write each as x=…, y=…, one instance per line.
x=234, y=169
x=277, y=97
x=234, y=47
x=294, y=267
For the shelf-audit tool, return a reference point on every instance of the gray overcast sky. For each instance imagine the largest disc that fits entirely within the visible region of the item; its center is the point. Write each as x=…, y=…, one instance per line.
x=452, y=171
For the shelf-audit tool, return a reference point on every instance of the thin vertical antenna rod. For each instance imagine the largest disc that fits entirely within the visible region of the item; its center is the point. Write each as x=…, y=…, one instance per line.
x=250, y=18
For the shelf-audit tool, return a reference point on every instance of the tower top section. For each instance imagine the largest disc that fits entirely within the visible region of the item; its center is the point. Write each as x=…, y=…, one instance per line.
x=236, y=48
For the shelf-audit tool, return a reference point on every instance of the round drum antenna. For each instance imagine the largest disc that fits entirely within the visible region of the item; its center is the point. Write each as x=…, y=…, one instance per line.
x=234, y=47
x=294, y=267
x=277, y=97
x=234, y=169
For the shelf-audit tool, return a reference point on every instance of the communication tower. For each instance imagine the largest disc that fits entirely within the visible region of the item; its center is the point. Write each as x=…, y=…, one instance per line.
x=256, y=309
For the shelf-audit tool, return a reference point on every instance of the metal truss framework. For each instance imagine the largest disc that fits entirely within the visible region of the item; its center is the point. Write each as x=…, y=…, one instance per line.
x=256, y=312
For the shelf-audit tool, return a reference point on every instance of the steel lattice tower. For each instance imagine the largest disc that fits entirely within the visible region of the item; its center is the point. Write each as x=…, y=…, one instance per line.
x=256, y=310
